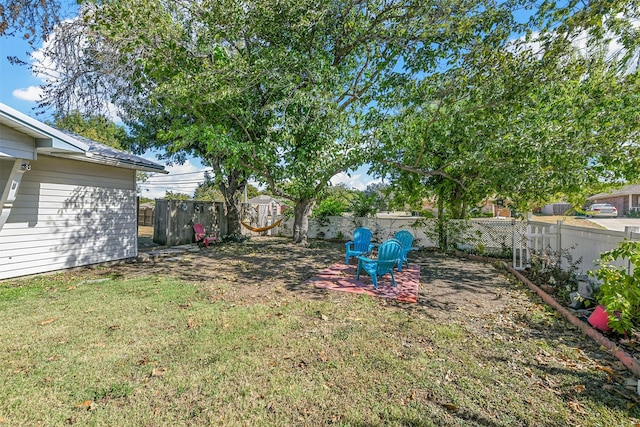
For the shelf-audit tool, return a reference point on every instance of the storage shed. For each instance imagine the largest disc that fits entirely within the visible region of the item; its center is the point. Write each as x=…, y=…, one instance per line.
x=65, y=201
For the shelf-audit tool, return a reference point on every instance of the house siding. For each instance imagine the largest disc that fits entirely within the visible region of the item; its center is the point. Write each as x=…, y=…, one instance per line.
x=68, y=213
x=15, y=144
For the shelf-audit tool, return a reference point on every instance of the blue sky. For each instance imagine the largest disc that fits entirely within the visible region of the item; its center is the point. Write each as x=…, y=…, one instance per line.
x=19, y=89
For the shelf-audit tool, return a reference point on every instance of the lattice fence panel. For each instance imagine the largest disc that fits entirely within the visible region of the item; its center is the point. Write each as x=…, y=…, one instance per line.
x=492, y=235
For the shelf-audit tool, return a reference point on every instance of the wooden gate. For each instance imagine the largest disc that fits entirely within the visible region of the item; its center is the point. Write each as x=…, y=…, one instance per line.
x=174, y=219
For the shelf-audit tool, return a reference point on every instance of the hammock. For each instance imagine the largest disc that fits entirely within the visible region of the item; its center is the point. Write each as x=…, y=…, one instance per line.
x=261, y=229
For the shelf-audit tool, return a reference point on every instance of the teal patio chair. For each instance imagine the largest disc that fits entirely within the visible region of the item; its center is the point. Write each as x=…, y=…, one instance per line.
x=388, y=255
x=360, y=245
x=406, y=240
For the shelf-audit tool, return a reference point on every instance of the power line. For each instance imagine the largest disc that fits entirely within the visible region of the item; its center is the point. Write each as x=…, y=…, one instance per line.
x=161, y=184
x=180, y=174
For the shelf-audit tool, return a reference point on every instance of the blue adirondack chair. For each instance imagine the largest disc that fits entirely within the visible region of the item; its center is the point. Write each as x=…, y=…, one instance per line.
x=388, y=254
x=406, y=240
x=360, y=245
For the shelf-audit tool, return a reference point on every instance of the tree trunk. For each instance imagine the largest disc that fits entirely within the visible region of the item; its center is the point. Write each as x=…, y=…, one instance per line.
x=231, y=187
x=301, y=221
x=234, y=214
x=442, y=229
x=457, y=203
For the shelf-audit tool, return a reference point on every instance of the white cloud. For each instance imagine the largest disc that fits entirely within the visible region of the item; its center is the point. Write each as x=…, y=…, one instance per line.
x=32, y=93
x=358, y=180
x=182, y=178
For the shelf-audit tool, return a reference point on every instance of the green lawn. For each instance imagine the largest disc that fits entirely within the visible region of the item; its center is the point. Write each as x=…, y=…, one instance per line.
x=154, y=351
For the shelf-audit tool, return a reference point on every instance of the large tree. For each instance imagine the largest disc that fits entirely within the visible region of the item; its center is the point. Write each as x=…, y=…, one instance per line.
x=278, y=90
x=275, y=91
x=31, y=19
x=531, y=119
x=95, y=127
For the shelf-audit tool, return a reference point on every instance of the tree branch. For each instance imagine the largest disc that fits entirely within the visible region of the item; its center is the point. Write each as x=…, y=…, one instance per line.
x=423, y=172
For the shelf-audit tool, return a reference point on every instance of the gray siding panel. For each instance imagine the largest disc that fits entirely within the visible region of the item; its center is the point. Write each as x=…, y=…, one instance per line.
x=68, y=214
x=14, y=144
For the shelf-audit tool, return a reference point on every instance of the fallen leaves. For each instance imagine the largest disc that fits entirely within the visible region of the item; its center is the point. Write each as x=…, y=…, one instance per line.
x=87, y=404
x=158, y=372
x=191, y=324
x=577, y=407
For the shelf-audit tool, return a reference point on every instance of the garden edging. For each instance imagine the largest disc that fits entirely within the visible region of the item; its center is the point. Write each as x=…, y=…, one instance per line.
x=627, y=360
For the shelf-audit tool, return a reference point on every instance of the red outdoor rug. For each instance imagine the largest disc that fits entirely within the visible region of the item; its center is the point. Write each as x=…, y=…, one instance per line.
x=341, y=277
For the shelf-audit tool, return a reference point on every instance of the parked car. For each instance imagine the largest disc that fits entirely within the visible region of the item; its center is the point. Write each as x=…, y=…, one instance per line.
x=601, y=210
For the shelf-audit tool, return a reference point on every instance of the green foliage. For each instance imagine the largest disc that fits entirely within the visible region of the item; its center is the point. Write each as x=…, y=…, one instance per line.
x=97, y=128
x=170, y=195
x=147, y=200
x=505, y=120
x=454, y=105
x=556, y=269
x=329, y=207
x=364, y=205
x=208, y=194
x=382, y=194
x=619, y=291
x=450, y=234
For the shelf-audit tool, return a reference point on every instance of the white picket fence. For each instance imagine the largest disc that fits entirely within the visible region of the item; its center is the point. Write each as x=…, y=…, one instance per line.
x=580, y=243
x=523, y=237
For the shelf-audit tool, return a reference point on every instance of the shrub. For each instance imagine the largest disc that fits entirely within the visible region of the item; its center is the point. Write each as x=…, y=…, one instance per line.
x=328, y=207
x=548, y=268
x=364, y=205
x=619, y=291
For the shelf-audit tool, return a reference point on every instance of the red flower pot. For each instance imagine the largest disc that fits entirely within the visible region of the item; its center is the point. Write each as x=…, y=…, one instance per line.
x=599, y=319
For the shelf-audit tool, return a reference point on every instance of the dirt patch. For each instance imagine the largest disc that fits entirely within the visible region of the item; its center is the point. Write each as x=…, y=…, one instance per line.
x=449, y=286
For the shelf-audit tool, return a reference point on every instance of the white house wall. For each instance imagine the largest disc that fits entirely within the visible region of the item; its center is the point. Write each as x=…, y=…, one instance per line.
x=67, y=214
x=15, y=144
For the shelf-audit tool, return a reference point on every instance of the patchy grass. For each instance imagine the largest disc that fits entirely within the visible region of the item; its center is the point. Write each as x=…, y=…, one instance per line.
x=109, y=348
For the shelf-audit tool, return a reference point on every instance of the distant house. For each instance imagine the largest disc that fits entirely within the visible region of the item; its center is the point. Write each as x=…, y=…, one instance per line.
x=66, y=201
x=625, y=199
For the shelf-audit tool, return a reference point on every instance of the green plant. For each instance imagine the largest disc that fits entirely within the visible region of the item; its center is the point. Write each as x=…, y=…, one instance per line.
x=450, y=234
x=328, y=207
x=619, y=291
x=364, y=205
x=557, y=269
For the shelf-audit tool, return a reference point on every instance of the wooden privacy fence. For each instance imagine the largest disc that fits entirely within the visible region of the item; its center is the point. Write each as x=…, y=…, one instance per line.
x=174, y=219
